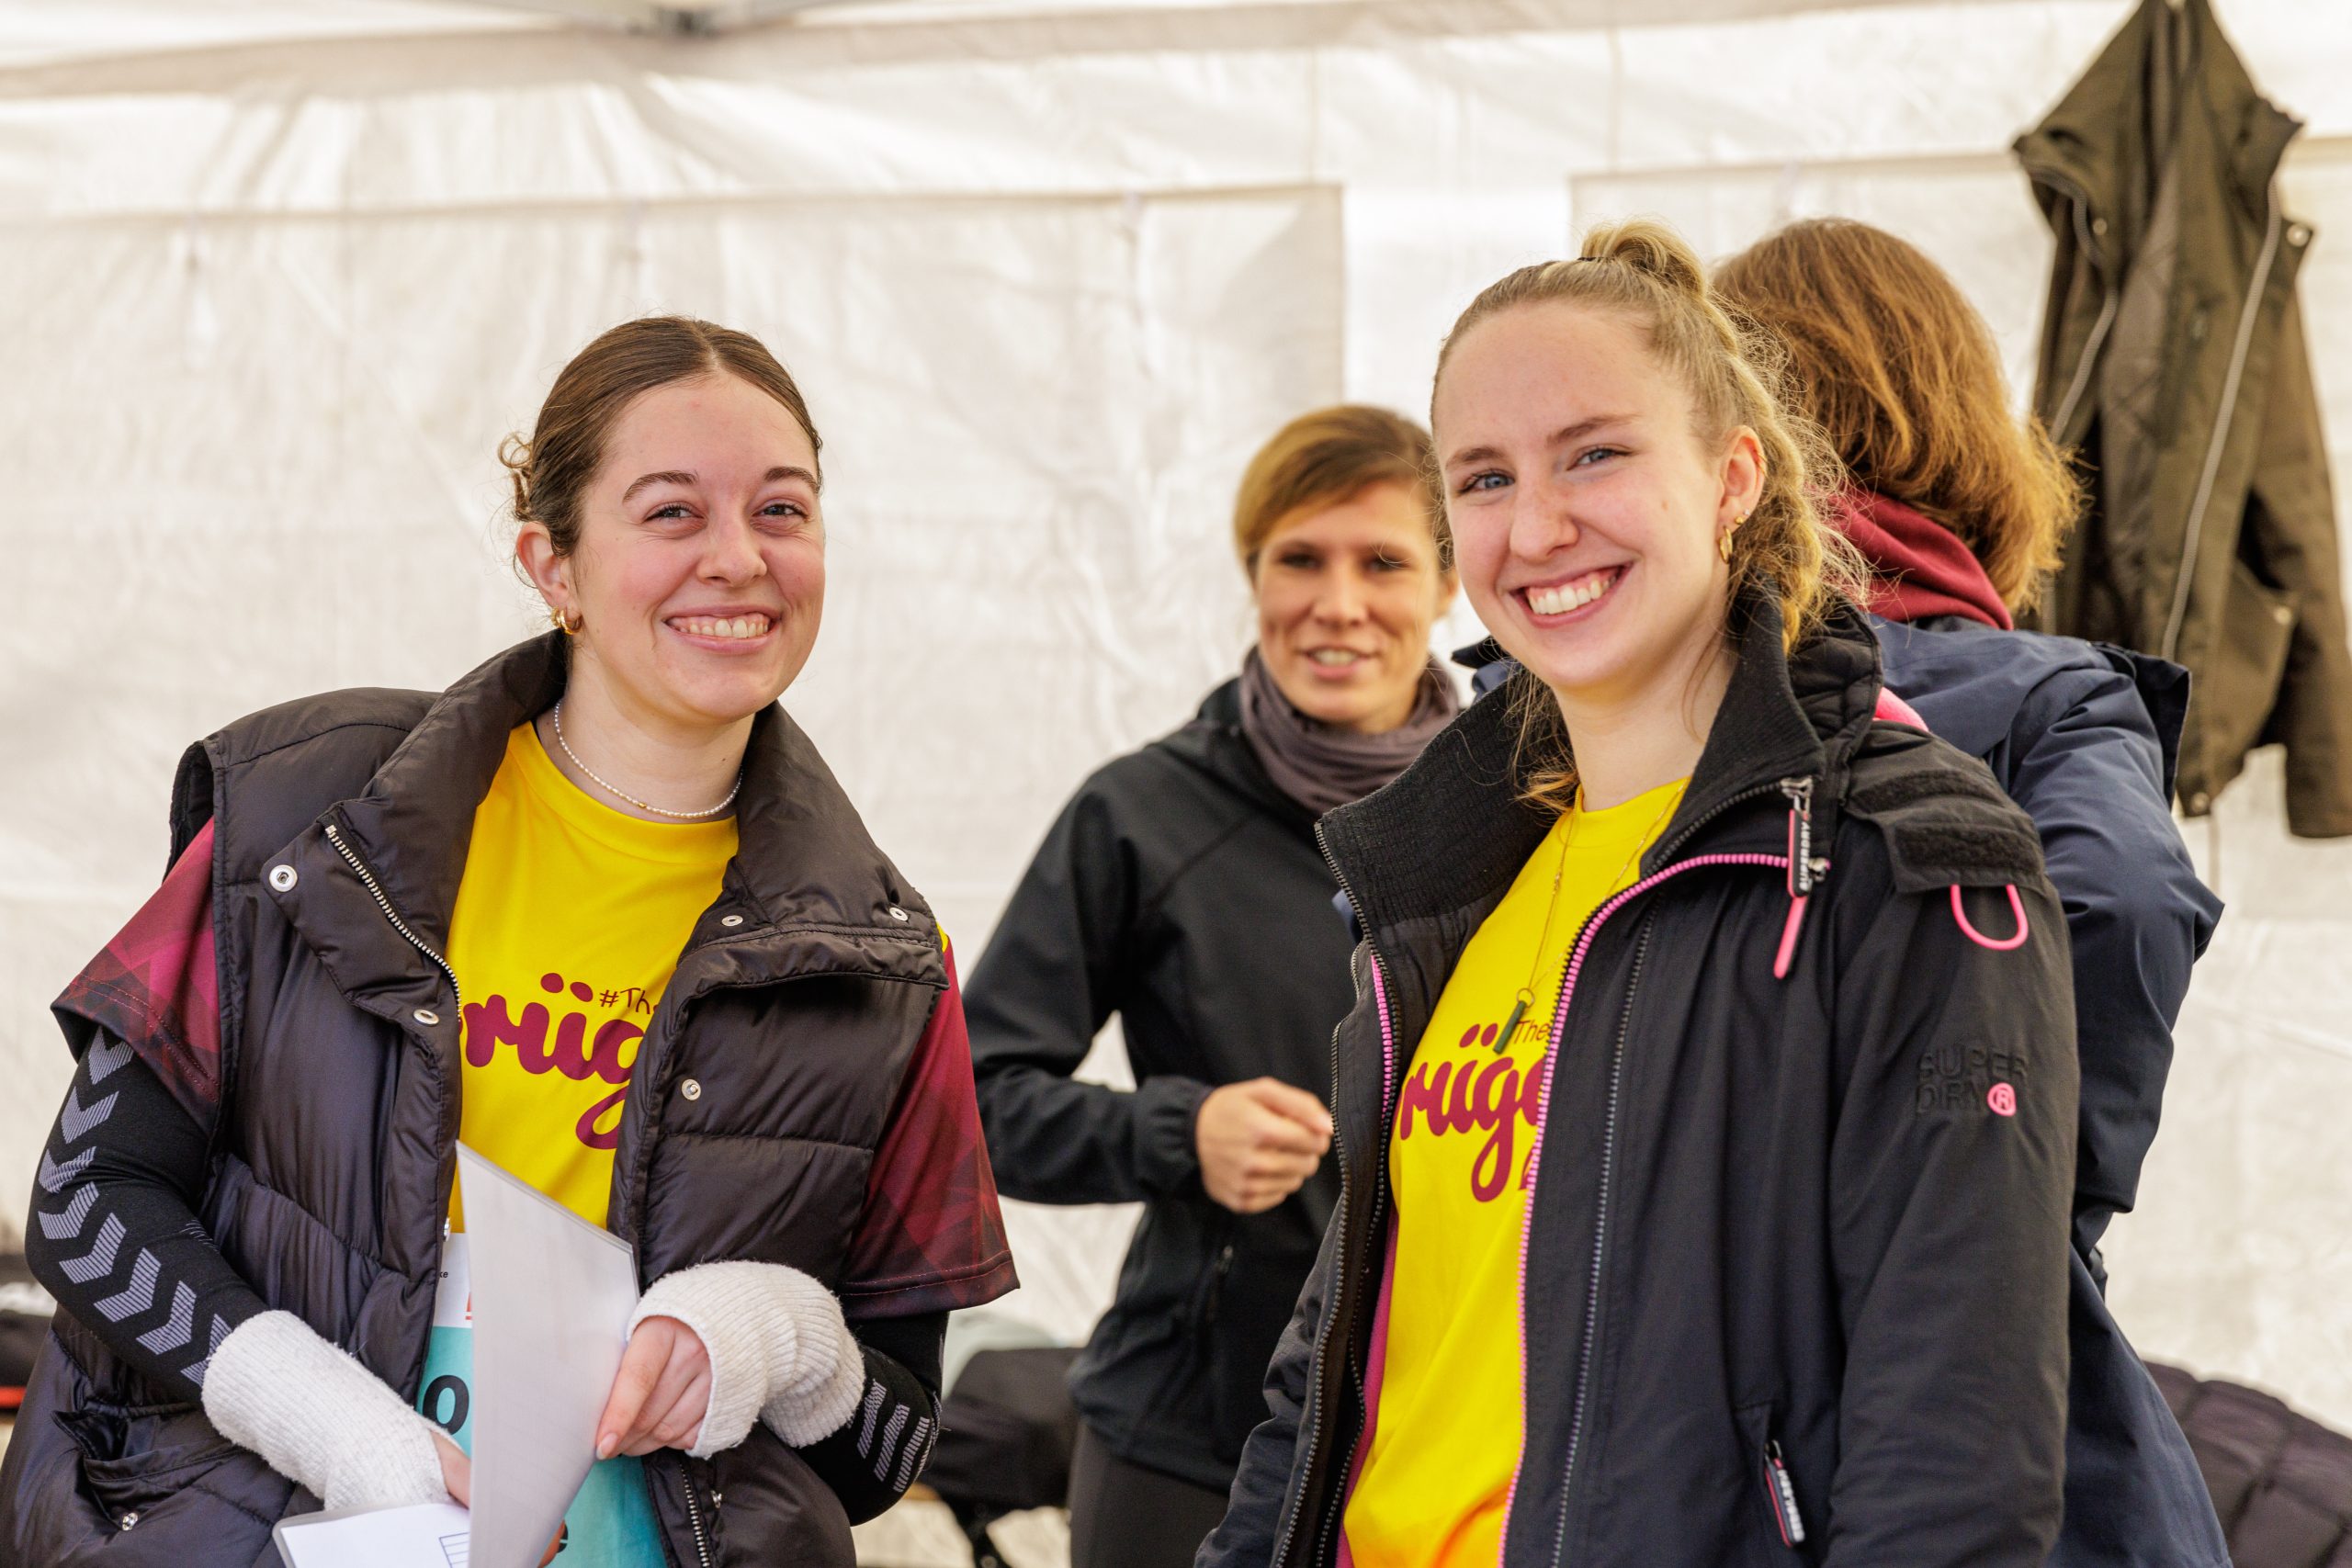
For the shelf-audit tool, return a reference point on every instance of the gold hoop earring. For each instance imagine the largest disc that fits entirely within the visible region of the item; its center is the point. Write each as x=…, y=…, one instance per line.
x=568, y=625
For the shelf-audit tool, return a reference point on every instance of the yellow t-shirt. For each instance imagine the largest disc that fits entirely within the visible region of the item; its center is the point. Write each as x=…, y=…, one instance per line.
x=1449, y=1425
x=568, y=922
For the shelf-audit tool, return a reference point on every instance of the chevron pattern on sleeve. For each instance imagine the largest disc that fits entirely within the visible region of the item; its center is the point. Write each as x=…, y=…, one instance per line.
x=894, y=1436
x=112, y=1221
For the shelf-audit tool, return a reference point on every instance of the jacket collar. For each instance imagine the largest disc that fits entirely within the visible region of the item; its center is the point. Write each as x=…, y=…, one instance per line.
x=2166, y=62
x=804, y=863
x=1218, y=746
x=1452, y=829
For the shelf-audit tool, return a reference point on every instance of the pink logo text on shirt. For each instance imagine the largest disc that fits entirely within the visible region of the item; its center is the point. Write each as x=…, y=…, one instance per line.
x=608, y=1057
x=1481, y=1093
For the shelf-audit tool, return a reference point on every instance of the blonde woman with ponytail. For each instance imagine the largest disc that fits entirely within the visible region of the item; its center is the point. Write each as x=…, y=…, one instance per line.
x=1706, y=1114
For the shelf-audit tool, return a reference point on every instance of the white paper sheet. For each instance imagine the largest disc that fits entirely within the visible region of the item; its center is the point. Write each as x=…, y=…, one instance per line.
x=552, y=1296
x=429, y=1534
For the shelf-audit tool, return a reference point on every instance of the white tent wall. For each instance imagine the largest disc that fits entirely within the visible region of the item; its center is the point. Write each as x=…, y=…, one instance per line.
x=272, y=292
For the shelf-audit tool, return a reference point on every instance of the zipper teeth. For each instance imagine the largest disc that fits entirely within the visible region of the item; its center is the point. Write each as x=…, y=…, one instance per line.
x=1323, y=1329
x=367, y=880
x=1334, y=1520
x=1339, y=1246
x=1387, y=1050
x=694, y=1514
x=1577, y=952
x=1339, y=1219
x=1599, y=1241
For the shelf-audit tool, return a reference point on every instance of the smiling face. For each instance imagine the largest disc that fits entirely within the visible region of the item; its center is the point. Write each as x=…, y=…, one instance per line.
x=1347, y=593
x=1586, y=504
x=700, y=575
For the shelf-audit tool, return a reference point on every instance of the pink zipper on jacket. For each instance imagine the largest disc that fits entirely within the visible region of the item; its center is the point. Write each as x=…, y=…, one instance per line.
x=1535, y=1155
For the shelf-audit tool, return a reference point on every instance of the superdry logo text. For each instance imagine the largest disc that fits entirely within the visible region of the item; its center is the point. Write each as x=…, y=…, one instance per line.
x=608, y=1057
x=1953, y=1078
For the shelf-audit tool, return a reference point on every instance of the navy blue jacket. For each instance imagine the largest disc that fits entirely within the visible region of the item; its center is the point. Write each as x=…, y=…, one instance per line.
x=2084, y=738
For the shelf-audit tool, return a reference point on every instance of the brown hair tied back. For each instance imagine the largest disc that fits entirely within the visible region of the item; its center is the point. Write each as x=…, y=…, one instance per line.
x=551, y=469
x=1784, y=550
x=1904, y=377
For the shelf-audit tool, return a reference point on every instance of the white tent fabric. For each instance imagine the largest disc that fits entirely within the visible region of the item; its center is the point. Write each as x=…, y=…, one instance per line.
x=275, y=278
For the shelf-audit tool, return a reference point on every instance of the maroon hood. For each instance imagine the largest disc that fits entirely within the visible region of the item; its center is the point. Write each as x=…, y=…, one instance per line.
x=1919, y=568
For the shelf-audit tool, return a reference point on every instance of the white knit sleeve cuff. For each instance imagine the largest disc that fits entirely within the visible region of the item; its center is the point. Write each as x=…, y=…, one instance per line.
x=776, y=1342
x=320, y=1418
x=817, y=1405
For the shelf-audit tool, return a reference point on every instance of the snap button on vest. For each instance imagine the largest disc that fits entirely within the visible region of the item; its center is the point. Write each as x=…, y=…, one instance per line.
x=282, y=878
x=730, y=919
x=425, y=1016
x=897, y=913
x=691, y=1089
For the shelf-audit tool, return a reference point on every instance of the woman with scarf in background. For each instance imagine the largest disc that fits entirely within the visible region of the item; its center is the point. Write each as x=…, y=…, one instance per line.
x=1960, y=509
x=1182, y=889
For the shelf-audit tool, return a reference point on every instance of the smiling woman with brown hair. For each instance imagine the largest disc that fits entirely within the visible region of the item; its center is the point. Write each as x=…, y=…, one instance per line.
x=600, y=910
x=1182, y=889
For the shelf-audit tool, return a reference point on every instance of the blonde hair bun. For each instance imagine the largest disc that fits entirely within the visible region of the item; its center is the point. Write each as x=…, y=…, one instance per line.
x=1650, y=248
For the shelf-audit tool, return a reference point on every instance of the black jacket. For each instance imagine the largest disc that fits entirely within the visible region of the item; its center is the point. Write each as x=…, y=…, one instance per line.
x=1828, y=1211
x=1181, y=890
x=2084, y=738
x=796, y=1014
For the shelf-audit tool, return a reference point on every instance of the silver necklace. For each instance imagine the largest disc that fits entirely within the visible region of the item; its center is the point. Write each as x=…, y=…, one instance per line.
x=623, y=794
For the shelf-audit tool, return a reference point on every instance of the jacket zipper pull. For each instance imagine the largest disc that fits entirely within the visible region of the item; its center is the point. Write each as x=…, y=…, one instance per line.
x=1801, y=870
x=1800, y=867
x=1784, y=1496
x=1217, y=1283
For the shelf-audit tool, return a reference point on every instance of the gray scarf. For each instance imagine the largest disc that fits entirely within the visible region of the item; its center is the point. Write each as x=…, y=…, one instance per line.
x=1321, y=765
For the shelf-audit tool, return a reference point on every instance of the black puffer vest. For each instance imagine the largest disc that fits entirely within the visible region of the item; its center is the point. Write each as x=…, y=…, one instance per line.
x=341, y=829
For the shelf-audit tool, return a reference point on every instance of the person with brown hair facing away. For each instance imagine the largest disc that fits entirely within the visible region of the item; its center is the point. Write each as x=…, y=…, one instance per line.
x=1706, y=1115
x=1182, y=889
x=599, y=910
x=1962, y=508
